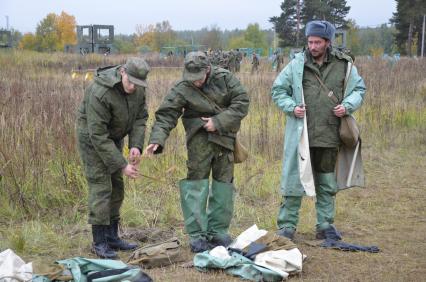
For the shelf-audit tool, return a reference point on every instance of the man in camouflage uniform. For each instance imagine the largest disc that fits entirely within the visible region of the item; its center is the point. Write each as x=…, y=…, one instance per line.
x=239, y=58
x=317, y=77
x=232, y=60
x=278, y=60
x=212, y=103
x=113, y=107
x=224, y=60
x=254, y=63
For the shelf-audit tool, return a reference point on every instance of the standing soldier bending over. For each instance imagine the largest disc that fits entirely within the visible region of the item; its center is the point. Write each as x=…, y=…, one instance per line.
x=113, y=107
x=210, y=137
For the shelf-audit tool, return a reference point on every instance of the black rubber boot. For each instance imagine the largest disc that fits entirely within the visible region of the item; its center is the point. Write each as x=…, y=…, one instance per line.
x=100, y=246
x=286, y=232
x=330, y=233
x=223, y=240
x=114, y=241
x=199, y=245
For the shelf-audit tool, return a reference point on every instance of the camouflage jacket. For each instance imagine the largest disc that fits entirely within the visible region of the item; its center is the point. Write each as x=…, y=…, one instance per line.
x=107, y=114
x=185, y=100
x=323, y=125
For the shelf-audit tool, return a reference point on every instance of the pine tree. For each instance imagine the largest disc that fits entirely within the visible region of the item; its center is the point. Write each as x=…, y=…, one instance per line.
x=333, y=11
x=408, y=20
x=286, y=24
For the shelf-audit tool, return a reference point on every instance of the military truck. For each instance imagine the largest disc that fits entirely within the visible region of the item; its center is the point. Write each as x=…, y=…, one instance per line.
x=93, y=39
x=5, y=38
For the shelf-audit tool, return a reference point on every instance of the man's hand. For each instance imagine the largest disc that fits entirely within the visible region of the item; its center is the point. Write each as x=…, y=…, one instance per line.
x=299, y=111
x=149, y=151
x=339, y=110
x=130, y=171
x=134, y=156
x=209, y=126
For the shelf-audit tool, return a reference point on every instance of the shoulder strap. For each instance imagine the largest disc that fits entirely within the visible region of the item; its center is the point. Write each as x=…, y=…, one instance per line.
x=215, y=106
x=330, y=93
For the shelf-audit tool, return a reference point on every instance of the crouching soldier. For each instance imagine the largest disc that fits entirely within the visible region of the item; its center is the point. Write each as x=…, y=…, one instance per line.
x=212, y=103
x=113, y=107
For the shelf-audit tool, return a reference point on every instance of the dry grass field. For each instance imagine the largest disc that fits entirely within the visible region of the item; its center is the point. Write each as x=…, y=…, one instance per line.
x=43, y=192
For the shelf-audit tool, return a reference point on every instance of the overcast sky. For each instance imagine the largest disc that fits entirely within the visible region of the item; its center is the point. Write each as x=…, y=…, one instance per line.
x=24, y=15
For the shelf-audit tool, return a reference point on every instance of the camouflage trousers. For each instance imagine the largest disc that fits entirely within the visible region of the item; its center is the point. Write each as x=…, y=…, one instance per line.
x=106, y=190
x=205, y=157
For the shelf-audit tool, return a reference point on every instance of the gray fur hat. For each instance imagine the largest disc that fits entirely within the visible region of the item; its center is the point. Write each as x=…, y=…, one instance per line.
x=322, y=29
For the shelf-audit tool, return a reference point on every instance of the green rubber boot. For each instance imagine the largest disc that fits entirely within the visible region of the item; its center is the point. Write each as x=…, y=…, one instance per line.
x=219, y=212
x=193, y=199
x=288, y=216
x=325, y=204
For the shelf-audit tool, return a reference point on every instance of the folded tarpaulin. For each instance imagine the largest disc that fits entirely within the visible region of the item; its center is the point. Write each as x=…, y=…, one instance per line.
x=81, y=268
x=247, y=237
x=284, y=262
x=234, y=264
x=275, y=257
x=13, y=268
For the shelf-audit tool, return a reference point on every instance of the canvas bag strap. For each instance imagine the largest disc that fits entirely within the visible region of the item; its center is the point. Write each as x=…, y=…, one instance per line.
x=330, y=93
x=215, y=106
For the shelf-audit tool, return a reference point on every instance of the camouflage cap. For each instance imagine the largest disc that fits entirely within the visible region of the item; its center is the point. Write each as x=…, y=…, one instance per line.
x=137, y=70
x=196, y=66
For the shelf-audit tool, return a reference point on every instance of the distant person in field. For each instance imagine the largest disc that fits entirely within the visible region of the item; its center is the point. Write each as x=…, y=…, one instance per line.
x=278, y=61
x=311, y=92
x=212, y=103
x=113, y=107
x=254, y=63
x=239, y=58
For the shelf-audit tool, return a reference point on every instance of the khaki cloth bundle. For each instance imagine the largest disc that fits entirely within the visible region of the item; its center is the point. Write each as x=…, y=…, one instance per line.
x=157, y=255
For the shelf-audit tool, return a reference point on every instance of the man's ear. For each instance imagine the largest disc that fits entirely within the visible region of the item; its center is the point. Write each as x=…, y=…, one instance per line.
x=122, y=70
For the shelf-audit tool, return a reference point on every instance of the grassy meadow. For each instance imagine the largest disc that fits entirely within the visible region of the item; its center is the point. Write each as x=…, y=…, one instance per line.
x=43, y=194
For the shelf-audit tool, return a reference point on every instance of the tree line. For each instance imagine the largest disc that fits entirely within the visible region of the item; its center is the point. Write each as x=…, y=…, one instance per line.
x=401, y=35
x=404, y=35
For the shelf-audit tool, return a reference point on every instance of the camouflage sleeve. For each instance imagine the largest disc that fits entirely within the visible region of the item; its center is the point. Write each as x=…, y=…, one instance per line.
x=137, y=134
x=166, y=118
x=229, y=120
x=98, y=117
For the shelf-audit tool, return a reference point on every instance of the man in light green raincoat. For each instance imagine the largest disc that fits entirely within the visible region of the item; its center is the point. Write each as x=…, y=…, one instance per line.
x=310, y=91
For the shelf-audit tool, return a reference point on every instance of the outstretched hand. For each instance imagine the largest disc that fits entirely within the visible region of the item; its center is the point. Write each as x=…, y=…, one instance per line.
x=134, y=156
x=130, y=171
x=150, y=149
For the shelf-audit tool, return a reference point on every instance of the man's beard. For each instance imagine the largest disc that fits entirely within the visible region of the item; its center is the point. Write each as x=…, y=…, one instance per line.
x=318, y=53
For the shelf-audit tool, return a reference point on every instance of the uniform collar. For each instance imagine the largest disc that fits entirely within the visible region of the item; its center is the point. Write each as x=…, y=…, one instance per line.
x=309, y=59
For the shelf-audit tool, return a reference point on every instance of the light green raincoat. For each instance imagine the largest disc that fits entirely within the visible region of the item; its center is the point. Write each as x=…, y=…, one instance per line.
x=287, y=94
